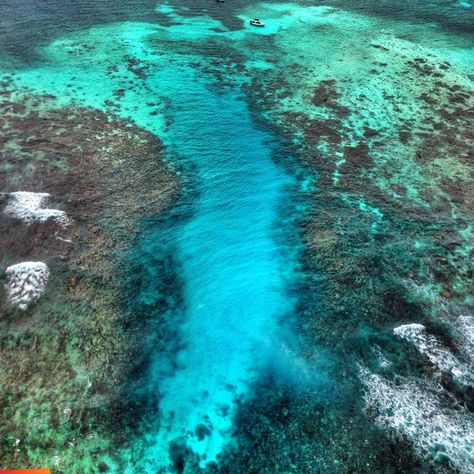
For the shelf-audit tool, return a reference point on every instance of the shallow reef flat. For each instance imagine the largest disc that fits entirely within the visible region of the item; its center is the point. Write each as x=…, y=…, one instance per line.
x=66, y=360
x=386, y=122
x=325, y=209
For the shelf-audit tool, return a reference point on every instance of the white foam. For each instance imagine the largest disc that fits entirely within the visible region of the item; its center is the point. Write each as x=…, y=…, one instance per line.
x=30, y=207
x=384, y=363
x=465, y=327
x=26, y=282
x=413, y=410
x=440, y=357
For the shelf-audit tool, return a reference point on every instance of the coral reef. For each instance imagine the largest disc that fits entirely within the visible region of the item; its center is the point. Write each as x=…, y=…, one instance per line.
x=377, y=110
x=66, y=359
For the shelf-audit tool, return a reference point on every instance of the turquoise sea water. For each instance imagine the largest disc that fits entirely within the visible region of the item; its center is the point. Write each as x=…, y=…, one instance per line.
x=281, y=272
x=233, y=267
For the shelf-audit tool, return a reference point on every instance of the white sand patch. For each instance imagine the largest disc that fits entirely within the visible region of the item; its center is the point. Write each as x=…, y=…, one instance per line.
x=441, y=358
x=31, y=207
x=26, y=282
x=413, y=410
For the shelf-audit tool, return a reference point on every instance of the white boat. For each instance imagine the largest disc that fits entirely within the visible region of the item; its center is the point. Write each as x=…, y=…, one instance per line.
x=257, y=22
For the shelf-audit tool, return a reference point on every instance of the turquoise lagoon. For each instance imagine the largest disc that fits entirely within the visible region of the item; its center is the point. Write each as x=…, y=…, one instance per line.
x=233, y=262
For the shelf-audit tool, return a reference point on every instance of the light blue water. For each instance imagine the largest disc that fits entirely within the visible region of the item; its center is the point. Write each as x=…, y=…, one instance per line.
x=232, y=267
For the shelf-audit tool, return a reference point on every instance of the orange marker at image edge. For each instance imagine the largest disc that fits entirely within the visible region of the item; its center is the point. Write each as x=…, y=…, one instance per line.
x=27, y=471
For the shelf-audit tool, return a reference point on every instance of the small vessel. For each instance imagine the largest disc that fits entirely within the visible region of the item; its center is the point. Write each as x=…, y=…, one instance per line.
x=257, y=22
